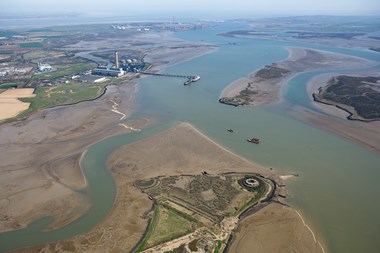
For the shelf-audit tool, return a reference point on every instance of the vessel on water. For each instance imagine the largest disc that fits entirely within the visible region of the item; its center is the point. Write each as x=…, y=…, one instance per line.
x=254, y=140
x=192, y=79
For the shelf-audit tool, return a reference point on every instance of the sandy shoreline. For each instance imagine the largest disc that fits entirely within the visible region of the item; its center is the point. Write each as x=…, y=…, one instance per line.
x=255, y=233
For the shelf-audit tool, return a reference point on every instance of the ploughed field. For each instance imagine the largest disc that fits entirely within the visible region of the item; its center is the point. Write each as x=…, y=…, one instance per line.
x=360, y=96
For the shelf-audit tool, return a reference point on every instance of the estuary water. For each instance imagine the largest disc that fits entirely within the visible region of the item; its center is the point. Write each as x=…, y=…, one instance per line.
x=337, y=190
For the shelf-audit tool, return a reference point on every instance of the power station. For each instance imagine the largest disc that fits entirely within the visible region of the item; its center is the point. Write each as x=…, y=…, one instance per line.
x=106, y=71
x=129, y=65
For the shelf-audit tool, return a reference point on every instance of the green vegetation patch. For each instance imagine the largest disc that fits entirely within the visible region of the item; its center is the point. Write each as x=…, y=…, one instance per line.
x=358, y=95
x=8, y=85
x=218, y=246
x=31, y=45
x=64, y=70
x=166, y=225
x=63, y=94
x=193, y=245
x=258, y=194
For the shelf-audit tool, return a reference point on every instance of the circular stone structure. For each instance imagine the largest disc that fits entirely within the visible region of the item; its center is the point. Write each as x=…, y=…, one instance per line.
x=251, y=183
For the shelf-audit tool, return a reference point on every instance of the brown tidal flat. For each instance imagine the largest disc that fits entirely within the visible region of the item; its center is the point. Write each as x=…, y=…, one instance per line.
x=180, y=150
x=277, y=229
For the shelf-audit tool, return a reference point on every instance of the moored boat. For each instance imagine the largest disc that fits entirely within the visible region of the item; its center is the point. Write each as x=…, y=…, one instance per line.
x=254, y=140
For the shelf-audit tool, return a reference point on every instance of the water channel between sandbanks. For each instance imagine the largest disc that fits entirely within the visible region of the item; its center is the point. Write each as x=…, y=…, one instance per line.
x=337, y=188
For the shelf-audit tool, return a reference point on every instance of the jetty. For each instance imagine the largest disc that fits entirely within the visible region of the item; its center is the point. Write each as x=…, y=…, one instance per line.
x=190, y=79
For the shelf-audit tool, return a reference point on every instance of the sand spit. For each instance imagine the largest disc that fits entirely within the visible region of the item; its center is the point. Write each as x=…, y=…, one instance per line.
x=10, y=105
x=179, y=150
x=365, y=134
x=264, y=86
x=165, y=56
x=275, y=228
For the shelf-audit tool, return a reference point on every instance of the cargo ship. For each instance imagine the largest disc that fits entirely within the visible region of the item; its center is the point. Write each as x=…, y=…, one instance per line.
x=254, y=140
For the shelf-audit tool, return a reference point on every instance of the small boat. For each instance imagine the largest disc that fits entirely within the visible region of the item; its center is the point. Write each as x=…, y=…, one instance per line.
x=230, y=130
x=254, y=140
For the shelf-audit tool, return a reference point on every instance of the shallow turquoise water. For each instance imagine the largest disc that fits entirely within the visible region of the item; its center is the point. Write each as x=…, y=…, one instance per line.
x=337, y=188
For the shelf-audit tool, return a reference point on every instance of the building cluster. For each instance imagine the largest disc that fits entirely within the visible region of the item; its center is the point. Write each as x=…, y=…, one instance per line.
x=44, y=67
x=116, y=71
x=105, y=71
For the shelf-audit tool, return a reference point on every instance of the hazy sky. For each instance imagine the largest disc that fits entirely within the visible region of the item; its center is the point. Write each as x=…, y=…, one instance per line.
x=251, y=7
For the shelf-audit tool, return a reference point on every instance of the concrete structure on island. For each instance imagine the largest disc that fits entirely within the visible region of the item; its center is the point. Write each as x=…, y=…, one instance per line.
x=251, y=183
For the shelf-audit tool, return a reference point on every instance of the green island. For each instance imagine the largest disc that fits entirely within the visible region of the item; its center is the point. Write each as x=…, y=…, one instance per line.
x=359, y=96
x=198, y=212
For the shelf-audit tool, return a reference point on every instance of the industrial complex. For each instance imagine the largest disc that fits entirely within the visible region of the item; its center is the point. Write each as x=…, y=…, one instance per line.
x=116, y=70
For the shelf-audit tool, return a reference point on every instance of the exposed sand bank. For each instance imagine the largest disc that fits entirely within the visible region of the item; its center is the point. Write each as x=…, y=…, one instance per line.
x=165, y=56
x=275, y=228
x=179, y=150
x=264, y=85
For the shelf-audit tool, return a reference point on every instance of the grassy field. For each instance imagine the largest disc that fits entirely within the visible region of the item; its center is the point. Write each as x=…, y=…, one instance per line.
x=30, y=45
x=38, y=54
x=167, y=224
x=8, y=85
x=63, y=94
x=64, y=70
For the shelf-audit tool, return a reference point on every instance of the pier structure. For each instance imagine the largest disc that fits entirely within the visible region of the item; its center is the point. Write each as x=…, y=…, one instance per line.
x=190, y=79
